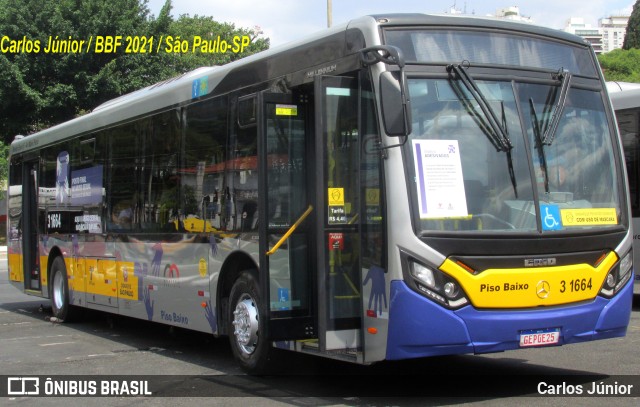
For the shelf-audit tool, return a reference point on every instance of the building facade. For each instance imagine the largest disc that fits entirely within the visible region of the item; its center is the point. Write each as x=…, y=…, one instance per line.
x=614, y=29
x=512, y=13
x=607, y=36
x=577, y=26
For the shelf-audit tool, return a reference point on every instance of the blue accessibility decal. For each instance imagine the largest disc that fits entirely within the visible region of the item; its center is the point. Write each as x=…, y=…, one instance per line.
x=551, y=219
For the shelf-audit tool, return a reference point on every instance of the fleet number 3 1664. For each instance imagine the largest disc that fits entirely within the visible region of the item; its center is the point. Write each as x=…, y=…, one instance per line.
x=577, y=285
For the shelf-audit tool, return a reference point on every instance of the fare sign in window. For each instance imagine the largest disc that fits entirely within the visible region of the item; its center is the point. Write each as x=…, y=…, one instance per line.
x=337, y=208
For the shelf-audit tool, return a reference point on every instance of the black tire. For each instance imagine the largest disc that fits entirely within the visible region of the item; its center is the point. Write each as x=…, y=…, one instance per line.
x=246, y=330
x=59, y=292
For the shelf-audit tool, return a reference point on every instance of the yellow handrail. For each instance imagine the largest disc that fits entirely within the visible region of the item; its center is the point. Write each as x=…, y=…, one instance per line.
x=290, y=231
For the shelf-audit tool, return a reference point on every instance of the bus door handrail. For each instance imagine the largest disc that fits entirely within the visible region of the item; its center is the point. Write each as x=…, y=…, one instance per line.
x=290, y=231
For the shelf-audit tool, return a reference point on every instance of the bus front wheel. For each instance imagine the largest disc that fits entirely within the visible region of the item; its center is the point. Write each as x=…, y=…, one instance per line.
x=246, y=330
x=59, y=294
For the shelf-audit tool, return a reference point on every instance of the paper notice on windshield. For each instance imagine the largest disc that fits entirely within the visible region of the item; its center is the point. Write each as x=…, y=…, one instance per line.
x=439, y=179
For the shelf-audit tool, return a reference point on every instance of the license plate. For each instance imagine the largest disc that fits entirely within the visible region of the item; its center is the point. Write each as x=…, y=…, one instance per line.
x=540, y=337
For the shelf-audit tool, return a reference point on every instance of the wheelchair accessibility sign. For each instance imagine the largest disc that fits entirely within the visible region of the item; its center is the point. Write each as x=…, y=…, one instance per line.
x=551, y=219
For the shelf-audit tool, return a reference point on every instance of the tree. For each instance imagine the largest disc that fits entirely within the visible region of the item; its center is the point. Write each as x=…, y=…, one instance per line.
x=56, y=86
x=632, y=36
x=39, y=89
x=621, y=65
x=4, y=166
x=19, y=103
x=212, y=32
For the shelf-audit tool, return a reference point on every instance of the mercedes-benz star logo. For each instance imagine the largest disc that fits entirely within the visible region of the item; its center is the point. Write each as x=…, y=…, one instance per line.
x=543, y=289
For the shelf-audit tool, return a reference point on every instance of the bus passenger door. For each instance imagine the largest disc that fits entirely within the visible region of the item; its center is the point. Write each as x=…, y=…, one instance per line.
x=337, y=146
x=286, y=216
x=30, y=252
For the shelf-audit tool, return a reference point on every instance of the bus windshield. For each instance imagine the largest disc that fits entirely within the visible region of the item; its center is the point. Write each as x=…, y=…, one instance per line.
x=468, y=178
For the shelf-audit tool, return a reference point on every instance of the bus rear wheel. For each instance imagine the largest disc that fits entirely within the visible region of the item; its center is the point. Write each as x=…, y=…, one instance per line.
x=246, y=330
x=59, y=294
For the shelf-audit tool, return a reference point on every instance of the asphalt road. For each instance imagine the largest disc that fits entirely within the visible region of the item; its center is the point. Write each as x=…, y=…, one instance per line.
x=194, y=364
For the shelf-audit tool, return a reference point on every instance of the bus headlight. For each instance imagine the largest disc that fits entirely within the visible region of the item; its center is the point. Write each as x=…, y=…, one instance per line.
x=626, y=264
x=423, y=274
x=618, y=276
x=436, y=285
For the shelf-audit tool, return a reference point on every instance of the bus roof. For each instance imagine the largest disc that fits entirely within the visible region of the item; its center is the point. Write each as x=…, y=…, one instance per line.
x=626, y=97
x=265, y=65
x=616, y=86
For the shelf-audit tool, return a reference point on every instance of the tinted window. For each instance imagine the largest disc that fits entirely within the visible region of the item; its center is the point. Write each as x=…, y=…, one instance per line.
x=204, y=163
x=491, y=48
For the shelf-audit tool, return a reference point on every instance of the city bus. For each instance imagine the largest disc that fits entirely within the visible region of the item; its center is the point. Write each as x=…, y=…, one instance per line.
x=396, y=187
x=625, y=98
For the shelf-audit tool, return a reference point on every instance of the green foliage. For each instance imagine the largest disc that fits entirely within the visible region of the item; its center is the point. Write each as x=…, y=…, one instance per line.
x=621, y=65
x=56, y=86
x=632, y=36
x=19, y=103
x=39, y=89
x=212, y=31
x=4, y=166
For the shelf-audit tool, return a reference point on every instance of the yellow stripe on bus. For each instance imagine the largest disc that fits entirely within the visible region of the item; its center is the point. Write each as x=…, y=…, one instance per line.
x=531, y=286
x=103, y=277
x=15, y=267
x=90, y=275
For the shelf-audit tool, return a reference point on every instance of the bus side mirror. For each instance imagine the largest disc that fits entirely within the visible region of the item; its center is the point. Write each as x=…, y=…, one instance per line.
x=396, y=109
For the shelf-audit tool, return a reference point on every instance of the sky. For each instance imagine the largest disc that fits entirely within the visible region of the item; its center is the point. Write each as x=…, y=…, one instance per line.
x=288, y=20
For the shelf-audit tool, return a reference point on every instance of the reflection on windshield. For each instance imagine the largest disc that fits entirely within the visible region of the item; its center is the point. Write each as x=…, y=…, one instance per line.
x=580, y=160
x=454, y=160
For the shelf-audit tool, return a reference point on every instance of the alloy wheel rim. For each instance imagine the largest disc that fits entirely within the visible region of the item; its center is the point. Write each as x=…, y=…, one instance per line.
x=246, y=324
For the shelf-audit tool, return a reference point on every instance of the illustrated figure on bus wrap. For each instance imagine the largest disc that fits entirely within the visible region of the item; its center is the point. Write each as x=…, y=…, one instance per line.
x=148, y=302
x=210, y=315
x=376, y=276
x=157, y=259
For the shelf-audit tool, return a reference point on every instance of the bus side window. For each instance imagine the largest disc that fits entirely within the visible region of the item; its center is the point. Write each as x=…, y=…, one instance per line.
x=241, y=193
x=14, y=202
x=204, y=164
x=122, y=215
x=123, y=173
x=629, y=124
x=160, y=190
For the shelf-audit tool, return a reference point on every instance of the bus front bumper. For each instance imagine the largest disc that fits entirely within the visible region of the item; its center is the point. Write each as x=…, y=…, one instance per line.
x=419, y=327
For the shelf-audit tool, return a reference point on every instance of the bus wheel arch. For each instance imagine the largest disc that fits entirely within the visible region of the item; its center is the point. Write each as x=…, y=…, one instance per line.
x=230, y=271
x=54, y=253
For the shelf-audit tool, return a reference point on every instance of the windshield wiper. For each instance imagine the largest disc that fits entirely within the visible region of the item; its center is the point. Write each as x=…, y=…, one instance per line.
x=501, y=137
x=498, y=132
x=550, y=127
x=565, y=80
x=539, y=144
